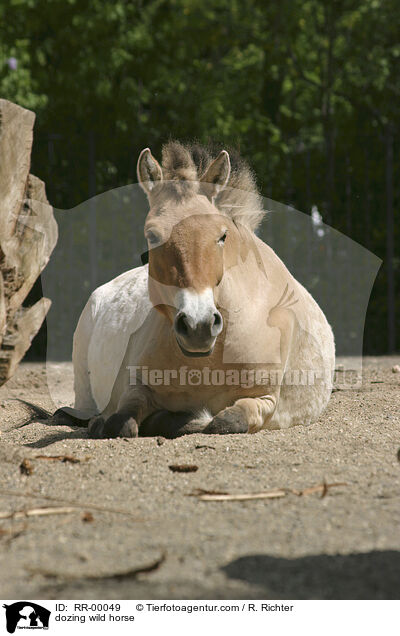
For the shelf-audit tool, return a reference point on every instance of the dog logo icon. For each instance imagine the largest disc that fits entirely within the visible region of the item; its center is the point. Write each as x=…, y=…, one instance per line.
x=26, y=615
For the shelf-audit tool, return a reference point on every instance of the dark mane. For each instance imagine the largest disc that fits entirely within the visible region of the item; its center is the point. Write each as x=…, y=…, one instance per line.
x=185, y=164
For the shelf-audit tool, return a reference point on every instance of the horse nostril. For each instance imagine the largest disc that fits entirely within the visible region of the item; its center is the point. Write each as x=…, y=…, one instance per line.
x=217, y=320
x=186, y=327
x=181, y=326
x=216, y=326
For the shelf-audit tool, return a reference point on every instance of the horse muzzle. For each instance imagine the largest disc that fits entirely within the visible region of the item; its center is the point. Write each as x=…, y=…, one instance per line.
x=197, y=322
x=197, y=338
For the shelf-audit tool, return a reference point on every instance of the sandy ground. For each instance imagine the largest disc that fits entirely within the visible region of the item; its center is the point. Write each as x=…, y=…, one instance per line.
x=135, y=514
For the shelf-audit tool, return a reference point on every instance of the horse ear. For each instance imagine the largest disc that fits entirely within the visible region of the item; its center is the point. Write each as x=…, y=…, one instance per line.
x=217, y=174
x=148, y=171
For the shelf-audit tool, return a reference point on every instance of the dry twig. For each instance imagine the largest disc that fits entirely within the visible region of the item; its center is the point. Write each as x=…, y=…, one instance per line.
x=272, y=494
x=201, y=491
x=116, y=576
x=61, y=458
x=183, y=468
x=205, y=495
x=200, y=446
x=74, y=504
x=37, y=512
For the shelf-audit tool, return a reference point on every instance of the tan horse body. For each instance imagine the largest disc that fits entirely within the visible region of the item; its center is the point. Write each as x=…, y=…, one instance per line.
x=214, y=335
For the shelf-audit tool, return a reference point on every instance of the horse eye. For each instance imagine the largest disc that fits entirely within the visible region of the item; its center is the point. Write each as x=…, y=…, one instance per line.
x=152, y=237
x=221, y=241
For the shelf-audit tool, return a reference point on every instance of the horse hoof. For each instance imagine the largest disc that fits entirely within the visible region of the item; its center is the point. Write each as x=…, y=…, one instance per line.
x=63, y=418
x=231, y=420
x=169, y=425
x=59, y=418
x=96, y=428
x=117, y=425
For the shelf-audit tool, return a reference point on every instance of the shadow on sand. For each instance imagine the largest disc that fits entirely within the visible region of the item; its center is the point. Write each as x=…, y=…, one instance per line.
x=369, y=575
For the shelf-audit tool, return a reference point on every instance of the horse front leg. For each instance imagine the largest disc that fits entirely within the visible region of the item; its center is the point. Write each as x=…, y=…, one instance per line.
x=246, y=415
x=133, y=407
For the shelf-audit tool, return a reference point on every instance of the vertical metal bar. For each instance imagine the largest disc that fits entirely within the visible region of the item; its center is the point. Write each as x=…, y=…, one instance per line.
x=92, y=238
x=390, y=241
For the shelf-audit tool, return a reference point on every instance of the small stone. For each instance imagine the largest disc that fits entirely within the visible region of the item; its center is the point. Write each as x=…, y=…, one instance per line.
x=396, y=368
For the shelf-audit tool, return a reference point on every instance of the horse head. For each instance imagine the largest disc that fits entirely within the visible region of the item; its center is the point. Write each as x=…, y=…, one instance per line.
x=191, y=243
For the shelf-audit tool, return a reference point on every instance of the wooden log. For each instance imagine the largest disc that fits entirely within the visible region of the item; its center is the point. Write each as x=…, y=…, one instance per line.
x=28, y=235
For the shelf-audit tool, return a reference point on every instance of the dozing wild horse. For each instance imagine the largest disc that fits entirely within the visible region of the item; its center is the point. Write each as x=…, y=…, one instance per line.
x=214, y=335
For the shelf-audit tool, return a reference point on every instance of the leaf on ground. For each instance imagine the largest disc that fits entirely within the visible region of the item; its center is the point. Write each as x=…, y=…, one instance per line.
x=26, y=467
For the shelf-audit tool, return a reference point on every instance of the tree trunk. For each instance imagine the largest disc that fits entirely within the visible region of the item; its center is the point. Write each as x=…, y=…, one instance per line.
x=28, y=234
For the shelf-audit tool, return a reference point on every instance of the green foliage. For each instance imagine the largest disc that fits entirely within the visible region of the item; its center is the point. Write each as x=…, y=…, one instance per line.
x=306, y=88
